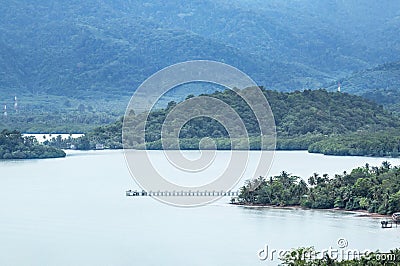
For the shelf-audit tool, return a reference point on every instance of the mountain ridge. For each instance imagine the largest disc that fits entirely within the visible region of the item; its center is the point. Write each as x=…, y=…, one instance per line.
x=109, y=40
x=95, y=53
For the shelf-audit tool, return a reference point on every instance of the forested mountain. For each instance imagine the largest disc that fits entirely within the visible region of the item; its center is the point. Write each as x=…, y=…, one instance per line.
x=58, y=55
x=328, y=35
x=106, y=48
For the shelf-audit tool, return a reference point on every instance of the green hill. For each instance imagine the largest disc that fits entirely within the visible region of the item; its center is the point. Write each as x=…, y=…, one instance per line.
x=317, y=120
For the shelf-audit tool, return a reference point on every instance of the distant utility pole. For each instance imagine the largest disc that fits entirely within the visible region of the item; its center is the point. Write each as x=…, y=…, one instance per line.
x=16, y=104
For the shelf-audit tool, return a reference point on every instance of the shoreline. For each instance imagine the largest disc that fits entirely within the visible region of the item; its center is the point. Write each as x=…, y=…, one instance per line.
x=359, y=213
x=272, y=150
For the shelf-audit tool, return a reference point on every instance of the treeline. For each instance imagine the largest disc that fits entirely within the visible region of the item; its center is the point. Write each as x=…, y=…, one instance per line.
x=108, y=137
x=68, y=122
x=14, y=146
x=374, y=189
x=381, y=143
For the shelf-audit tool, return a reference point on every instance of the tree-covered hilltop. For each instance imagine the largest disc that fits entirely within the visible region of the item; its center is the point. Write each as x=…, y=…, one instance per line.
x=374, y=189
x=318, y=111
x=297, y=114
x=315, y=120
x=14, y=146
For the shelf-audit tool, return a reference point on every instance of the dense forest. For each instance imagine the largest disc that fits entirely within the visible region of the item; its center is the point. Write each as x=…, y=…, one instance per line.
x=315, y=120
x=14, y=146
x=380, y=143
x=370, y=188
x=88, y=53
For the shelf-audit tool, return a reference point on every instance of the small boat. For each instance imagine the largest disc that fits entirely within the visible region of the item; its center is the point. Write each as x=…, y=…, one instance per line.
x=386, y=224
x=132, y=193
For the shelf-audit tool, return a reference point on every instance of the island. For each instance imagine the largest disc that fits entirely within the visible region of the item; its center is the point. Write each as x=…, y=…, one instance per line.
x=371, y=189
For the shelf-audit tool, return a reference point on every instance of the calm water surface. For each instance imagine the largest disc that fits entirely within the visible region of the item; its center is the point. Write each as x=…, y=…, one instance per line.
x=73, y=211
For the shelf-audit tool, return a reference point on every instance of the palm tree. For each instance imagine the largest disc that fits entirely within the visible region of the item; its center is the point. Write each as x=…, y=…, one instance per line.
x=311, y=180
x=385, y=166
x=247, y=192
x=301, y=188
x=326, y=177
x=244, y=193
x=259, y=183
x=287, y=179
